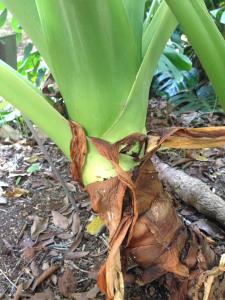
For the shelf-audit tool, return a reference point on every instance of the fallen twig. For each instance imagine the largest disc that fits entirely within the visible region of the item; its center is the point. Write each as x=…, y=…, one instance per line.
x=192, y=191
x=7, y=278
x=47, y=273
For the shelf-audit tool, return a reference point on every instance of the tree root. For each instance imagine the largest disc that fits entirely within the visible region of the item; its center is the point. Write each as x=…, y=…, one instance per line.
x=192, y=191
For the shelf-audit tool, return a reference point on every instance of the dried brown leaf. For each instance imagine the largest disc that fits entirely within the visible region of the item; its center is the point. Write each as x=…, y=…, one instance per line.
x=28, y=253
x=39, y=225
x=67, y=283
x=59, y=220
x=75, y=255
x=76, y=224
x=90, y=295
x=16, y=192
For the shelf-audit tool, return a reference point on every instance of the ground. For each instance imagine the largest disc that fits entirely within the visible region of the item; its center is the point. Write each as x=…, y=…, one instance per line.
x=29, y=188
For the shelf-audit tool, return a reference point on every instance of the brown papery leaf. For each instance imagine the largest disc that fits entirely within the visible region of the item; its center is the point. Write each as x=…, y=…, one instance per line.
x=192, y=138
x=78, y=151
x=76, y=224
x=90, y=295
x=16, y=193
x=59, y=220
x=39, y=226
x=67, y=283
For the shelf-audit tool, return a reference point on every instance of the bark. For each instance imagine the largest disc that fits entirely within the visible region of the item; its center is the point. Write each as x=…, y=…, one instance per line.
x=192, y=191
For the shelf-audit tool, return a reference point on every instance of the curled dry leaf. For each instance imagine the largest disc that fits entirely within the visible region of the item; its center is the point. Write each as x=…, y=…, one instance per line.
x=39, y=225
x=90, y=295
x=59, y=220
x=67, y=283
x=16, y=193
x=75, y=224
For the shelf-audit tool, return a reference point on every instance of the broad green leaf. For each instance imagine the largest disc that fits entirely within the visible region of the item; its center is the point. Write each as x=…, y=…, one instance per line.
x=135, y=13
x=205, y=38
x=179, y=60
x=132, y=117
x=93, y=57
x=23, y=95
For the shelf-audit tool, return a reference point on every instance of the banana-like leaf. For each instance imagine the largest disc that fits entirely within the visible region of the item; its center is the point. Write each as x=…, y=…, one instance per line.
x=132, y=117
x=24, y=96
x=205, y=38
x=93, y=56
x=135, y=13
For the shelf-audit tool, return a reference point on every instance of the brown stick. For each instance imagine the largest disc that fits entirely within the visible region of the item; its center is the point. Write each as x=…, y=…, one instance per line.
x=47, y=273
x=192, y=191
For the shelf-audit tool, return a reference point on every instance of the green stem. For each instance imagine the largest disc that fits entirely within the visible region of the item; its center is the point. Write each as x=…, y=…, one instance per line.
x=20, y=93
x=205, y=38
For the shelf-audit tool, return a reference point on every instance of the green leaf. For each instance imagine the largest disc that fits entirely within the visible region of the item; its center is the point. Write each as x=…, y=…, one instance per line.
x=132, y=117
x=3, y=17
x=179, y=60
x=205, y=38
x=23, y=95
x=34, y=168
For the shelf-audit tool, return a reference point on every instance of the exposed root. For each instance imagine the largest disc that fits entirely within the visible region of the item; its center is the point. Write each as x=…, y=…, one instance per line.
x=192, y=191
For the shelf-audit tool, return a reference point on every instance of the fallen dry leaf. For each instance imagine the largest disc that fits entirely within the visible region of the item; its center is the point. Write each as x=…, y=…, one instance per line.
x=76, y=255
x=67, y=283
x=76, y=224
x=90, y=295
x=39, y=226
x=16, y=193
x=34, y=269
x=46, y=295
x=28, y=253
x=59, y=220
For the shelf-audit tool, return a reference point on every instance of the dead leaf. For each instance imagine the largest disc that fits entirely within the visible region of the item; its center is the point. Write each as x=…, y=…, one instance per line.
x=65, y=236
x=19, y=292
x=46, y=295
x=76, y=224
x=39, y=226
x=67, y=283
x=71, y=187
x=76, y=255
x=28, y=253
x=78, y=151
x=31, y=159
x=90, y=295
x=59, y=220
x=16, y=192
x=34, y=269
x=210, y=228
x=7, y=131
